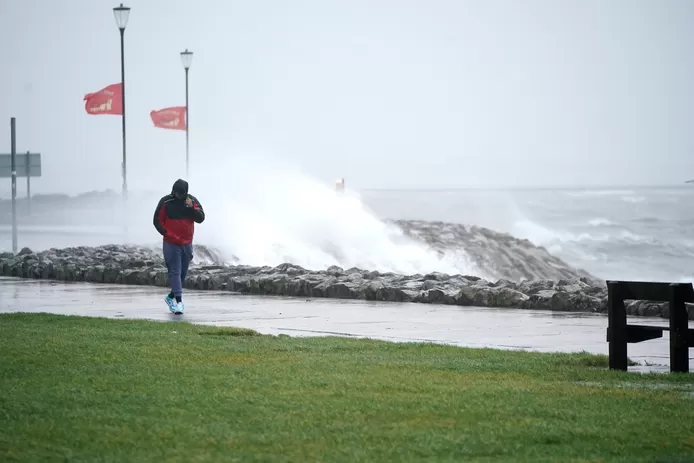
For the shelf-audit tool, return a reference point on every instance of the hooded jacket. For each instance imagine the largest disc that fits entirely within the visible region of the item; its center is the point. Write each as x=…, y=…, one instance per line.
x=174, y=220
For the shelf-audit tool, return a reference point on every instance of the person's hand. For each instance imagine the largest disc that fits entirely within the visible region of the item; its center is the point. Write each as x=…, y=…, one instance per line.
x=189, y=202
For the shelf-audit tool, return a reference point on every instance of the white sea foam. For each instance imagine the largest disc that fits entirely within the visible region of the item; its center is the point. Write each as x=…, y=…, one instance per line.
x=600, y=222
x=267, y=213
x=607, y=192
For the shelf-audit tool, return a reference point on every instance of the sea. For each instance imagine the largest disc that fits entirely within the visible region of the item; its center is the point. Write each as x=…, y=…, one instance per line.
x=640, y=233
x=634, y=233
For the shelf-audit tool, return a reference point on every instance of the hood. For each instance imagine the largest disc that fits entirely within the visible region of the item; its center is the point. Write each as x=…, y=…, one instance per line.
x=180, y=185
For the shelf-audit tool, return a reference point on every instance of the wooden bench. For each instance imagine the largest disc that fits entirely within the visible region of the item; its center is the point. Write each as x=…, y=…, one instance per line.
x=620, y=333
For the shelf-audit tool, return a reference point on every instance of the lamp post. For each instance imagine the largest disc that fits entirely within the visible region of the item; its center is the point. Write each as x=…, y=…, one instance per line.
x=121, y=13
x=187, y=60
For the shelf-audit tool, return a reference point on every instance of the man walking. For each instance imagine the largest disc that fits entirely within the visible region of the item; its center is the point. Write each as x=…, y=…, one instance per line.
x=175, y=218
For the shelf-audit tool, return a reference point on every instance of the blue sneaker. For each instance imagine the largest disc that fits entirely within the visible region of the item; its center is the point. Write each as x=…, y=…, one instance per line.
x=178, y=308
x=171, y=303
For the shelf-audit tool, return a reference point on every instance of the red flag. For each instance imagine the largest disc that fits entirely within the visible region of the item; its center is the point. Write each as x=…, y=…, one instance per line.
x=108, y=100
x=170, y=118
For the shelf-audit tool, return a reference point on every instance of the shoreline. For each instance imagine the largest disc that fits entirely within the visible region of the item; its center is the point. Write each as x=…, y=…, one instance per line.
x=141, y=266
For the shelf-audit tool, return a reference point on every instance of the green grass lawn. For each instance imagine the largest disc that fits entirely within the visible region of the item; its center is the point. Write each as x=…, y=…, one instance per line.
x=88, y=389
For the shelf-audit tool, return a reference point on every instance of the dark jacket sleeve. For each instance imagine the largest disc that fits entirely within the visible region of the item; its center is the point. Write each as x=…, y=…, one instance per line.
x=157, y=216
x=198, y=211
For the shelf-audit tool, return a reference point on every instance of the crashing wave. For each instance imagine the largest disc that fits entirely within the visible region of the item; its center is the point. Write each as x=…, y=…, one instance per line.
x=498, y=254
x=349, y=236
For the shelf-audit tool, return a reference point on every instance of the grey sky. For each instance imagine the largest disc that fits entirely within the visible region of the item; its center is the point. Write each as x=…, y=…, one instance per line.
x=387, y=93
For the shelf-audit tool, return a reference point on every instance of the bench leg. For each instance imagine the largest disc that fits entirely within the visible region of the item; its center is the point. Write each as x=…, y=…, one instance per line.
x=617, y=328
x=679, y=331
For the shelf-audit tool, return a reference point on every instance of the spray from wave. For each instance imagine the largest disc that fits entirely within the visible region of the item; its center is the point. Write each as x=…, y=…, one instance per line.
x=268, y=213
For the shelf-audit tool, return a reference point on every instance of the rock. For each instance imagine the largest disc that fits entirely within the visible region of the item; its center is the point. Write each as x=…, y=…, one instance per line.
x=485, y=296
x=335, y=270
x=533, y=287
x=436, y=276
x=549, y=299
x=135, y=265
x=24, y=252
x=648, y=309
x=498, y=254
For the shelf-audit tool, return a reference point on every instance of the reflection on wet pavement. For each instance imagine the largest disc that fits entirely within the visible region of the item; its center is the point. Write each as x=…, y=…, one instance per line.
x=462, y=326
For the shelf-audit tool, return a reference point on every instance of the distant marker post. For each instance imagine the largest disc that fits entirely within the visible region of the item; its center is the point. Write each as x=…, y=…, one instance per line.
x=340, y=186
x=28, y=168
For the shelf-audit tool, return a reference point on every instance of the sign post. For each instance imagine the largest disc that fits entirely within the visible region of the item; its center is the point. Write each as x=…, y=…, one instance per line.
x=15, y=165
x=27, y=165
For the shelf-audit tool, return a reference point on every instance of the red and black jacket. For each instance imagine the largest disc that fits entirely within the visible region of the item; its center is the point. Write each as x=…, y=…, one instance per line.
x=175, y=221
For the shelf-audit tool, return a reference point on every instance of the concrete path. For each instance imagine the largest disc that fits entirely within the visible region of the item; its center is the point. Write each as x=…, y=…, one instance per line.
x=463, y=326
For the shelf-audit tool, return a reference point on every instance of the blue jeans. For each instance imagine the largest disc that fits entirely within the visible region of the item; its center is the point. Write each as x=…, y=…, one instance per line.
x=177, y=259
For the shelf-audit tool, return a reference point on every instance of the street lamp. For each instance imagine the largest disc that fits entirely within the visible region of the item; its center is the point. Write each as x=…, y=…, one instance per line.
x=187, y=60
x=121, y=13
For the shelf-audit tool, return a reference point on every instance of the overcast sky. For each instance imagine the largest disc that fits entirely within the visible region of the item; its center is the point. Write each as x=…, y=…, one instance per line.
x=387, y=93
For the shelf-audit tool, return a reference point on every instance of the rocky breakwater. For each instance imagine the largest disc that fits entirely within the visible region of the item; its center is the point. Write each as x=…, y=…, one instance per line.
x=497, y=254
x=144, y=266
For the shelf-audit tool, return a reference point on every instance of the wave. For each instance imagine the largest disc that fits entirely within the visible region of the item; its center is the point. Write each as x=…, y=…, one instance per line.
x=633, y=199
x=286, y=217
x=607, y=192
x=628, y=196
x=545, y=236
x=601, y=222
x=264, y=214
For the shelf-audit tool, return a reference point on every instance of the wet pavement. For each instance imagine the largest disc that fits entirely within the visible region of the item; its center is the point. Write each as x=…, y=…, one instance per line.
x=534, y=330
